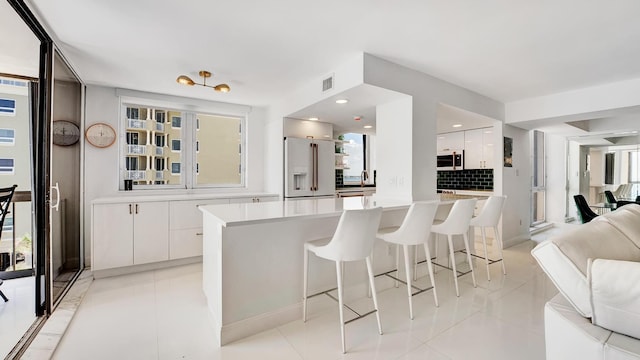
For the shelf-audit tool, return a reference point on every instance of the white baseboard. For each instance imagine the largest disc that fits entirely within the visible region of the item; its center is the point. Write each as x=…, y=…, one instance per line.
x=507, y=243
x=99, y=274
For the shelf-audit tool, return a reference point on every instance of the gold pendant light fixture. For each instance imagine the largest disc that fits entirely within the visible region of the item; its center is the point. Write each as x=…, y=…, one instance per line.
x=185, y=80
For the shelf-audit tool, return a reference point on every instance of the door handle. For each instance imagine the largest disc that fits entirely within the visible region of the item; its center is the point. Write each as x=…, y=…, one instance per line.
x=57, y=205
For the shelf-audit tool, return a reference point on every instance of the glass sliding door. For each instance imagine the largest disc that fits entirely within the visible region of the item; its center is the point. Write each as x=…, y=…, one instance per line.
x=538, y=183
x=65, y=165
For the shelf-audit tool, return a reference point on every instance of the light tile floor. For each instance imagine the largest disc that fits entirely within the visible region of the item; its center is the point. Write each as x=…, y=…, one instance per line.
x=162, y=315
x=17, y=314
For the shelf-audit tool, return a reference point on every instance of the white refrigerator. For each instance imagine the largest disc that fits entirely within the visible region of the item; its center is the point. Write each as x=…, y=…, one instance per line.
x=309, y=167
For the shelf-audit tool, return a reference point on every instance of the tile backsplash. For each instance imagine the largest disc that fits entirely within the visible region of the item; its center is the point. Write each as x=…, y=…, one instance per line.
x=475, y=179
x=339, y=178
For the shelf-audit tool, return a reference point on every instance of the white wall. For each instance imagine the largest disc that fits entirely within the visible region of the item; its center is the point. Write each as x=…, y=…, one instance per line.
x=427, y=92
x=102, y=165
x=556, y=162
x=516, y=216
x=346, y=76
x=394, y=149
x=601, y=98
x=575, y=172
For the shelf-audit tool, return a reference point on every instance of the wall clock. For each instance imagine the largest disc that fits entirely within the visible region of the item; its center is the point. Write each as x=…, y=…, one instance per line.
x=65, y=133
x=100, y=135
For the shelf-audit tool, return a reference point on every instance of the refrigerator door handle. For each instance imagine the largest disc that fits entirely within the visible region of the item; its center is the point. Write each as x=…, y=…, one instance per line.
x=313, y=164
x=315, y=167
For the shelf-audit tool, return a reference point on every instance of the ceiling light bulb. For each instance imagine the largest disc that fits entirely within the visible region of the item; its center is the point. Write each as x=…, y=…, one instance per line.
x=185, y=80
x=342, y=101
x=368, y=126
x=457, y=125
x=313, y=118
x=222, y=88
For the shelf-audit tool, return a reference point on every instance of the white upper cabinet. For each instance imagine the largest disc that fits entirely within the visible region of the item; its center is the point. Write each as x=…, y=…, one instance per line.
x=451, y=141
x=479, y=149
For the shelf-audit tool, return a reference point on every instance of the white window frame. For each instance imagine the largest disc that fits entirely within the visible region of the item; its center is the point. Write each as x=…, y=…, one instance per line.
x=12, y=168
x=8, y=111
x=176, y=173
x=12, y=140
x=179, y=142
x=177, y=127
x=189, y=112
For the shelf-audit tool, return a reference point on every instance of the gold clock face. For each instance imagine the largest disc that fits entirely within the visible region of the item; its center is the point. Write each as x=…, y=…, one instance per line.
x=100, y=135
x=65, y=133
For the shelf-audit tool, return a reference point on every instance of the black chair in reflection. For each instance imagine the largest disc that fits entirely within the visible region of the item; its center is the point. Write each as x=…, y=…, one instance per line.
x=586, y=214
x=611, y=199
x=6, y=194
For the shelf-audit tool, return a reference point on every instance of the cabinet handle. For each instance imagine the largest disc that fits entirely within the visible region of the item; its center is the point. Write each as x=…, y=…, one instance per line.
x=198, y=234
x=136, y=208
x=130, y=209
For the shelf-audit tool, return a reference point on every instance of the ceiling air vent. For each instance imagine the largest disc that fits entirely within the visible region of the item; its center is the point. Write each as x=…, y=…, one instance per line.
x=327, y=84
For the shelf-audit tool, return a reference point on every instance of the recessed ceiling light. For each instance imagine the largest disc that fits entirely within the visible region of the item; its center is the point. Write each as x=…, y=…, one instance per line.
x=342, y=101
x=457, y=125
x=327, y=136
x=441, y=137
x=313, y=118
x=368, y=126
x=488, y=132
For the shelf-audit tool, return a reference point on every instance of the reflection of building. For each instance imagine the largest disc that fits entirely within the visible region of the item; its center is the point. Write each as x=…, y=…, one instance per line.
x=153, y=146
x=15, y=155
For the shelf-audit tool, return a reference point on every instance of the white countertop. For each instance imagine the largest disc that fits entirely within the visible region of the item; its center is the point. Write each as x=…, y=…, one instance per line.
x=252, y=213
x=141, y=196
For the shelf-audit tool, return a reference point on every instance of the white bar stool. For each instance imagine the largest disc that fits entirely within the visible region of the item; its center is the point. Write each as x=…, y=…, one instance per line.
x=489, y=217
x=457, y=223
x=352, y=241
x=415, y=230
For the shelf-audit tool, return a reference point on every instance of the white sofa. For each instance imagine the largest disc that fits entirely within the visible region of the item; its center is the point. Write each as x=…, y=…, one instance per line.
x=596, y=268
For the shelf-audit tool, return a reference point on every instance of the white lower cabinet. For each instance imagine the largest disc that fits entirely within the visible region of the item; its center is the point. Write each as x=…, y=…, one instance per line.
x=127, y=234
x=143, y=232
x=112, y=236
x=185, y=239
x=150, y=232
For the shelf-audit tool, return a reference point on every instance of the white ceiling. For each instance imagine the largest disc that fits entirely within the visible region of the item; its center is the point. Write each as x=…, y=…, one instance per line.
x=506, y=50
x=20, y=49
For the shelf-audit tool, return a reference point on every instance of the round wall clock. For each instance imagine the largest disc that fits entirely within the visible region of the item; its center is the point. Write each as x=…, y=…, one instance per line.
x=65, y=133
x=100, y=135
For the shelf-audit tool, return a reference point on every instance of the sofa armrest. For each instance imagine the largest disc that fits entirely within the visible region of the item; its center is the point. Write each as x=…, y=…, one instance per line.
x=615, y=295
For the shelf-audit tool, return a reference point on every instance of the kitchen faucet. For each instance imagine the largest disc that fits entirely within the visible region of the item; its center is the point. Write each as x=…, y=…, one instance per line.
x=364, y=176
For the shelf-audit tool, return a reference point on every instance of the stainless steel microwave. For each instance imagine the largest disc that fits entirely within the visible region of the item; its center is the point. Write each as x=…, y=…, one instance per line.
x=451, y=160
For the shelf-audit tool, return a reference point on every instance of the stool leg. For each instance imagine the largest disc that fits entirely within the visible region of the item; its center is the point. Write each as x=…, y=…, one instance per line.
x=427, y=253
x=304, y=290
x=397, y=264
x=486, y=256
x=368, y=287
x=499, y=240
x=373, y=292
x=407, y=269
x=415, y=263
x=453, y=264
x=340, y=302
x=466, y=246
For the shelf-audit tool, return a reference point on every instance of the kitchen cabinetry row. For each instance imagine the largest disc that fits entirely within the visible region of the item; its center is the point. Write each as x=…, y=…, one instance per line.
x=130, y=233
x=478, y=146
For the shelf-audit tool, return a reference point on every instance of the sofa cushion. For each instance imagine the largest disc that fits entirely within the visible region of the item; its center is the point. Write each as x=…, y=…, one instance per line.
x=564, y=258
x=615, y=295
x=627, y=220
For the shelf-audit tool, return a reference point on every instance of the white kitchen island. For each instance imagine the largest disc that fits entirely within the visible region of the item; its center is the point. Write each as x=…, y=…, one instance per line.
x=253, y=254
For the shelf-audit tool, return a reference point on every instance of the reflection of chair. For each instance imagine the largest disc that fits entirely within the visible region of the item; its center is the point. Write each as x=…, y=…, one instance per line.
x=5, y=200
x=611, y=199
x=586, y=214
x=353, y=240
